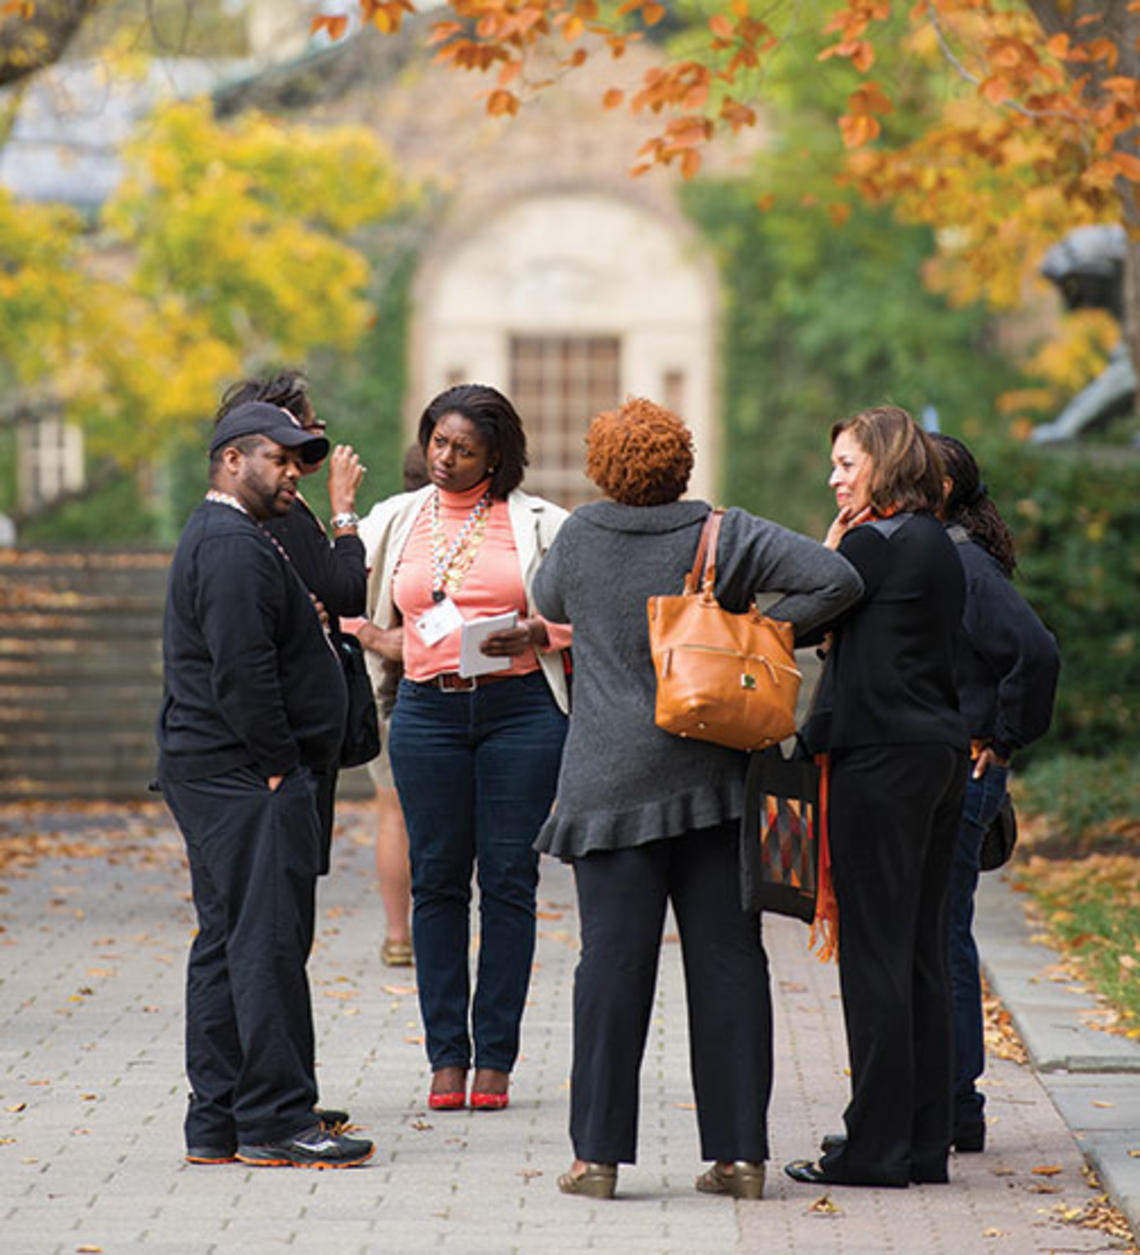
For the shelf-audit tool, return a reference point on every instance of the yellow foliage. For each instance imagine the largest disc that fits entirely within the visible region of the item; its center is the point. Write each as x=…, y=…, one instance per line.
x=234, y=240
x=1079, y=351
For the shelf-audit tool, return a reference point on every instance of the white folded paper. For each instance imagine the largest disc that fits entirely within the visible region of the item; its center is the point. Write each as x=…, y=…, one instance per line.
x=472, y=660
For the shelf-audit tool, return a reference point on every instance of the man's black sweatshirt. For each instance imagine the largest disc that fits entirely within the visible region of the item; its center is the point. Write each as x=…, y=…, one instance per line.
x=249, y=675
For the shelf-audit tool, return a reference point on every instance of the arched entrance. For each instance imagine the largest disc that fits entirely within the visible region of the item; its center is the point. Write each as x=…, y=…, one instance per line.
x=569, y=301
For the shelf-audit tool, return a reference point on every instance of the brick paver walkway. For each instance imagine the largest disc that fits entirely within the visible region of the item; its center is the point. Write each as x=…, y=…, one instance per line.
x=92, y=949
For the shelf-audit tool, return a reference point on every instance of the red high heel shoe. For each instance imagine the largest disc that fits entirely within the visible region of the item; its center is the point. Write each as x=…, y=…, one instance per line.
x=487, y=1100
x=454, y=1099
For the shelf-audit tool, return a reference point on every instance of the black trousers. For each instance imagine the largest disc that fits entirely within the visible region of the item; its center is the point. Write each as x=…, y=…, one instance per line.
x=622, y=895
x=254, y=857
x=893, y=822
x=326, y=803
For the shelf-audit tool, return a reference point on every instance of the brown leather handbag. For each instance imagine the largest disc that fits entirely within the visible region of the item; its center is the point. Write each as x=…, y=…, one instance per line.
x=727, y=678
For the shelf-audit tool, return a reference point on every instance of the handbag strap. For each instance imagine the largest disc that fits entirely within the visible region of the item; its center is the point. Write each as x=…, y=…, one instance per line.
x=703, y=574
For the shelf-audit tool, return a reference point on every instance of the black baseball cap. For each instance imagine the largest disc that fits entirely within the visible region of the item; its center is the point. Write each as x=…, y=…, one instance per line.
x=259, y=418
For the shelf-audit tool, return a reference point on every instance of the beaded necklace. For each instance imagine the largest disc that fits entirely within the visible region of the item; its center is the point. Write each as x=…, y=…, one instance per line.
x=225, y=498
x=449, y=565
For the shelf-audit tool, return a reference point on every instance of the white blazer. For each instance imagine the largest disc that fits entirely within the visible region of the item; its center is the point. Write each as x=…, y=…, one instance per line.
x=385, y=531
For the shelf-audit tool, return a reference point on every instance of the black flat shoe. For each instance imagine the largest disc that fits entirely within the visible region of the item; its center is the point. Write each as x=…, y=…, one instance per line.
x=807, y=1172
x=970, y=1139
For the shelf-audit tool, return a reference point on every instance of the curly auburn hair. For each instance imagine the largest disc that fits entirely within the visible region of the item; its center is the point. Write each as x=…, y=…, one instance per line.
x=640, y=453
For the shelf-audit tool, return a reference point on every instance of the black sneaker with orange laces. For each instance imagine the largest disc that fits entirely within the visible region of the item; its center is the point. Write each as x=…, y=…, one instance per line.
x=316, y=1147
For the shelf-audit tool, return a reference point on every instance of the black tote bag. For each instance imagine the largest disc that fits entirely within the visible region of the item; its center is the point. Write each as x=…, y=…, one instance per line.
x=779, y=834
x=361, y=741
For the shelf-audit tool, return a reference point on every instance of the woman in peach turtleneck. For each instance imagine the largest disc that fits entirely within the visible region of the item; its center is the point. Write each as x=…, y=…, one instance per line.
x=475, y=759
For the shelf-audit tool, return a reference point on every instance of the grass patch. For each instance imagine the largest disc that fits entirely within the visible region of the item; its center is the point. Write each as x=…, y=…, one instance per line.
x=1088, y=805
x=1091, y=909
x=1079, y=858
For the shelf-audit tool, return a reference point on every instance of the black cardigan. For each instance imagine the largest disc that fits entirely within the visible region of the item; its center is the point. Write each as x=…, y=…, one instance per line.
x=890, y=677
x=249, y=676
x=335, y=574
x=1007, y=661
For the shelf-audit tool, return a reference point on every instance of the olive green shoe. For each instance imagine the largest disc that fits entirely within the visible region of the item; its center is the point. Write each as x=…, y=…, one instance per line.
x=746, y=1180
x=598, y=1181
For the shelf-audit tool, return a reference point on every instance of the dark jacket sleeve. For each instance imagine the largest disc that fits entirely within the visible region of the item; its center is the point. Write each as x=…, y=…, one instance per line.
x=1020, y=651
x=241, y=608
x=869, y=554
x=548, y=591
x=335, y=574
x=755, y=557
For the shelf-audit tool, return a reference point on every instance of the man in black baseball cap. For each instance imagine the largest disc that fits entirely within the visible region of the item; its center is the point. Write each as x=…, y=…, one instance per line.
x=253, y=709
x=259, y=418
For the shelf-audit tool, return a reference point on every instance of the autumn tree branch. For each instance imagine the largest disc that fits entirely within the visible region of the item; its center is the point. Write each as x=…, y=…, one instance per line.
x=31, y=40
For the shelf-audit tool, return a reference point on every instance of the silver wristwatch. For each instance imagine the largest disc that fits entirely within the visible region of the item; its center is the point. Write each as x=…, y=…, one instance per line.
x=345, y=520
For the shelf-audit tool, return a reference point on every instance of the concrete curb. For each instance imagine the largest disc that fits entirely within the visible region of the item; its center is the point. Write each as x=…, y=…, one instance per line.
x=1093, y=1078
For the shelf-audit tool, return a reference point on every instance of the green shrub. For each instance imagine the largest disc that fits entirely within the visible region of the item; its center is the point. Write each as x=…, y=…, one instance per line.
x=819, y=322
x=1076, y=520
x=1091, y=802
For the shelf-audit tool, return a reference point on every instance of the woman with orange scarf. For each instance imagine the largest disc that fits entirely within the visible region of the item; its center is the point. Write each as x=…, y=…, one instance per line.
x=888, y=718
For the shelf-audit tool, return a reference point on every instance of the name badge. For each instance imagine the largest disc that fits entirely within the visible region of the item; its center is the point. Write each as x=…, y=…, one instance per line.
x=440, y=621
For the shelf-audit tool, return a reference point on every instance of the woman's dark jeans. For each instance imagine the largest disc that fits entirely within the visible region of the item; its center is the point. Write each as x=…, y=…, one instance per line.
x=476, y=773
x=983, y=801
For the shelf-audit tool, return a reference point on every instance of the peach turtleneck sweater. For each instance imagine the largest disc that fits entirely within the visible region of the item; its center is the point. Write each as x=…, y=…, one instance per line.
x=493, y=585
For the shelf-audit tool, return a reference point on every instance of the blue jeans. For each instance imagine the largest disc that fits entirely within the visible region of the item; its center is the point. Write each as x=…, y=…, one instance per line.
x=983, y=801
x=476, y=773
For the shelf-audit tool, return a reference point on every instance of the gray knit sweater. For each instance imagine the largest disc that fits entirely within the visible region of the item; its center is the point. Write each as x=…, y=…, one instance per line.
x=624, y=782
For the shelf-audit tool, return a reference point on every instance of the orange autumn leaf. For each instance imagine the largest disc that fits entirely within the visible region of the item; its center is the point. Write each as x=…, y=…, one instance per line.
x=858, y=130
x=500, y=102
x=335, y=25
x=1047, y=1169
x=1128, y=165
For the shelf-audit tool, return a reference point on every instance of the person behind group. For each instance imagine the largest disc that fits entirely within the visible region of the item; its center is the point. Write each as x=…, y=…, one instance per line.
x=1007, y=667
x=474, y=759
x=253, y=709
x=392, y=868
x=648, y=818
x=887, y=714
x=333, y=571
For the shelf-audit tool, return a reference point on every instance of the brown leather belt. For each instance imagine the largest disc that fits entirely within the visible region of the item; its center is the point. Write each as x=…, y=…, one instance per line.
x=451, y=682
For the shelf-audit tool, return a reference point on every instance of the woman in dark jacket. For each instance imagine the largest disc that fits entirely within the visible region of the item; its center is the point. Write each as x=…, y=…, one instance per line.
x=888, y=716
x=1007, y=667
x=648, y=818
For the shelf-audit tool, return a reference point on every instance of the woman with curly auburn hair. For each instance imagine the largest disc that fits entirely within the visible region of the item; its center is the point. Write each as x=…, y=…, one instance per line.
x=649, y=819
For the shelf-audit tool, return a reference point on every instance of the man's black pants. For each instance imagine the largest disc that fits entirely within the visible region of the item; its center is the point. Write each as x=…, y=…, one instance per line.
x=254, y=857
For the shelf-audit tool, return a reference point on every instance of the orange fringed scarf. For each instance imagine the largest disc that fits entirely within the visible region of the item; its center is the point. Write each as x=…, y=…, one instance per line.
x=825, y=925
